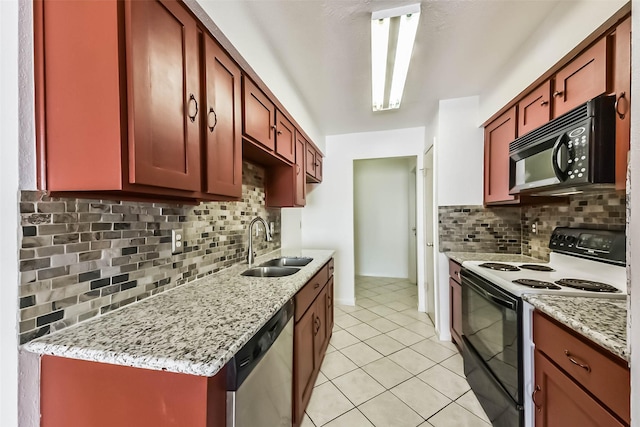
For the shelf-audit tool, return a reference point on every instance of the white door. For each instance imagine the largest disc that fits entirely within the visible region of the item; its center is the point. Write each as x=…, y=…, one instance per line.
x=413, y=240
x=429, y=205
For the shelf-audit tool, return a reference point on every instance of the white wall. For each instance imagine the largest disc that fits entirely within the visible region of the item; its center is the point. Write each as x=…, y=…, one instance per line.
x=327, y=220
x=565, y=27
x=633, y=232
x=381, y=202
x=236, y=23
x=9, y=123
x=459, y=178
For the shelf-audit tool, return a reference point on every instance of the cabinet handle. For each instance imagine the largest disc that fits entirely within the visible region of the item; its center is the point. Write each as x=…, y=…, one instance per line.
x=192, y=101
x=215, y=119
x=558, y=93
x=533, y=397
x=543, y=103
x=297, y=169
x=621, y=114
x=317, y=285
x=575, y=362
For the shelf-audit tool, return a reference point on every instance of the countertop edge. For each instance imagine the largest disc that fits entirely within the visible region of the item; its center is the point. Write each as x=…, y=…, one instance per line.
x=597, y=337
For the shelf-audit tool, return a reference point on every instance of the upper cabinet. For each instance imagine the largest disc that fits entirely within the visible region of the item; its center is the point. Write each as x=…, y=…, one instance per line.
x=130, y=117
x=163, y=87
x=497, y=136
x=535, y=109
x=136, y=99
x=602, y=67
x=314, y=164
x=582, y=79
x=622, y=88
x=223, y=121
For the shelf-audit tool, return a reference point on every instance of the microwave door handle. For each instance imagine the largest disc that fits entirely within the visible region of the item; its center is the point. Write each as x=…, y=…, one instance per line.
x=557, y=168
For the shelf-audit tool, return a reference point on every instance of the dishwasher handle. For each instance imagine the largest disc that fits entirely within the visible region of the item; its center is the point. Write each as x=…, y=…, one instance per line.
x=248, y=357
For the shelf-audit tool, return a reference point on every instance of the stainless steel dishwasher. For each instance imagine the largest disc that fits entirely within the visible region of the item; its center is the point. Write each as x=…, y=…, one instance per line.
x=259, y=377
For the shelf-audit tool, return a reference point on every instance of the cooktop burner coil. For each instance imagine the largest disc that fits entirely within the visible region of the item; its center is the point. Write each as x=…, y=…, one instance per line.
x=536, y=267
x=587, y=285
x=537, y=284
x=499, y=266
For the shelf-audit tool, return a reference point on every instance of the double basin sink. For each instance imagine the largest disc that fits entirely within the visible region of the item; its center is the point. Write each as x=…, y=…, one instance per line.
x=278, y=267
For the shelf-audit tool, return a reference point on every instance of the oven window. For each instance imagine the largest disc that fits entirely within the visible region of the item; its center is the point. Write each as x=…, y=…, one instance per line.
x=492, y=330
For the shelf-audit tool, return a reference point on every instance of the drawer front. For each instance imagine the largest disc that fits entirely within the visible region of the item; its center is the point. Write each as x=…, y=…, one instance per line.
x=602, y=374
x=454, y=271
x=308, y=293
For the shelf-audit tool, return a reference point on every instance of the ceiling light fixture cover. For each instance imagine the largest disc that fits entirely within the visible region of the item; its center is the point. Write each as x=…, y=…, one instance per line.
x=408, y=17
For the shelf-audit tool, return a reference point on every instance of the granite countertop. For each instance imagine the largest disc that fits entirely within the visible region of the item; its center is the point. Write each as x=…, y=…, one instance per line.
x=460, y=257
x=193, y=329
x=602, y=320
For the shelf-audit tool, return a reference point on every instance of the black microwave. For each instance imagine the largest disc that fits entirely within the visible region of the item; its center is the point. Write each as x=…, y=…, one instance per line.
x=572, y=153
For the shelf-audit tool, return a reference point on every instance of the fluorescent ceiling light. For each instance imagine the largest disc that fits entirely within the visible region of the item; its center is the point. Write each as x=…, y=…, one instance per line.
x=408, y=17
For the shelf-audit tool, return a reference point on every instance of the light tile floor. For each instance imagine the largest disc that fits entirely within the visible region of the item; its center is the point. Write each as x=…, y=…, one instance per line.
x=386, y=368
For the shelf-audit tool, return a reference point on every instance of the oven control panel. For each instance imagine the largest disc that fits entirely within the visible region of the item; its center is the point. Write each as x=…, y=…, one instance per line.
x=604, y=245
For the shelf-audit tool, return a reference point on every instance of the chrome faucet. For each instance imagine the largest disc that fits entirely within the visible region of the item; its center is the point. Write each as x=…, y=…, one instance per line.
x=251, y=255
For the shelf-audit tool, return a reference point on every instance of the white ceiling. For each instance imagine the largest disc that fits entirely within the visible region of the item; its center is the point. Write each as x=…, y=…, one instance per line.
x=324, y=46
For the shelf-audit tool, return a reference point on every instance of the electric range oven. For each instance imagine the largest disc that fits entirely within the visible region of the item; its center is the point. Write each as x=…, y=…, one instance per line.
x=496, y=322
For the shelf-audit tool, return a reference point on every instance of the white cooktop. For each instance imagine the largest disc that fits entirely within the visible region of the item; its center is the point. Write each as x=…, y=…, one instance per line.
x=566, y=267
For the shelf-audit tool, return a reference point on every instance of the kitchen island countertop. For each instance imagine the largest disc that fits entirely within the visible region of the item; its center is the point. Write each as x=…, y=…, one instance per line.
x=192, y=329
x=602, y=320
x=460, y=257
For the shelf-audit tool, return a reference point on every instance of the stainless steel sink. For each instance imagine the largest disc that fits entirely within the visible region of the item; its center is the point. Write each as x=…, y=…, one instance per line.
x=270, y=271
x=287, y=261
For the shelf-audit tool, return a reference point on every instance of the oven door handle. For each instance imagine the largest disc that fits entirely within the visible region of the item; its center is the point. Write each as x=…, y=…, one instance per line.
x=491, y=297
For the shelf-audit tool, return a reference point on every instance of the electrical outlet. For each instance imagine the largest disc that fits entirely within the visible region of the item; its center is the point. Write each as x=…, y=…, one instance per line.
x=534, y=228
x=177, y=243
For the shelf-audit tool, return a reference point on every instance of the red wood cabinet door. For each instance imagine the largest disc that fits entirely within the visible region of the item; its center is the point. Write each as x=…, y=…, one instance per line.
x=455, y=291
x=223, y=125
x=560, y=402
x=303, y=363
x=164, y=94
x=329, y=320
x=534, y=110
x=497, y=136
x=74, y=394
x=622, y=87
x=318, y=167
x=300, y=182
x=285, y=137
x=582, y=79
x=259, y=116
x=311, y=161
x=320, y=331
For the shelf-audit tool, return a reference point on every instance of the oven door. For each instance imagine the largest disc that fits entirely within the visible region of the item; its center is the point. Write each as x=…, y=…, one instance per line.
x=491, y=325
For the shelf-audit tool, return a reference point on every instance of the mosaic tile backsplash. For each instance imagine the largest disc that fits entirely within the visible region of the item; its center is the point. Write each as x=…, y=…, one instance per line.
x=83, y=258
x=477, y=229
x=508, y=229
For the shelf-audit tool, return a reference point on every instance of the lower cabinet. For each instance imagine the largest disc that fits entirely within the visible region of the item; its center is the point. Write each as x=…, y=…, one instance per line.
x=312, y=332
x=577, y=382
x=455, y=303
x=105, y=395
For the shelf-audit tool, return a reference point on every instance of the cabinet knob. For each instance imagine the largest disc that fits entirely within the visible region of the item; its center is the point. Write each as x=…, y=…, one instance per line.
x=215, y=119
x=557, y=93
x=273, y=127
x=621, y=114
x=193, y=108
x=279, y=132
x=543, y=103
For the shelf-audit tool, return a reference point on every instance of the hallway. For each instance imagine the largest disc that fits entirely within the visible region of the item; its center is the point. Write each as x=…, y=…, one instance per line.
x=386, y=368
